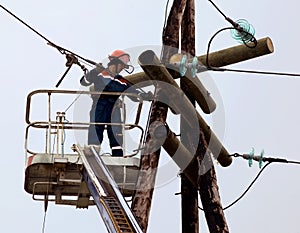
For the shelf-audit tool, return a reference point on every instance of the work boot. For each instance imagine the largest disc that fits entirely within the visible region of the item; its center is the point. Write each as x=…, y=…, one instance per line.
x=117, y=152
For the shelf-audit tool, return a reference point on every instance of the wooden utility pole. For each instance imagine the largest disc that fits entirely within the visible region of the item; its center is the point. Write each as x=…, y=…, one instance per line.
x=158, y=72
x=189, y=191
x=209, y=196
x=171, y=31
x=141, y=203
x=182, y=16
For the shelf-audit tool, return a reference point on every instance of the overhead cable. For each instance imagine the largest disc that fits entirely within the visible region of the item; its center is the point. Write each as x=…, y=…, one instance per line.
x=269, y=161
x=61, y=49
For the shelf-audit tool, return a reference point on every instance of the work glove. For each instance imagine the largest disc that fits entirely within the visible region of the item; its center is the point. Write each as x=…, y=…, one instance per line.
x=99, y=67
x=147, y=96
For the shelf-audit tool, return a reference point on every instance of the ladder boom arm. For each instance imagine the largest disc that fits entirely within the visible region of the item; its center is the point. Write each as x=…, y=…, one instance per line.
x=111, y=205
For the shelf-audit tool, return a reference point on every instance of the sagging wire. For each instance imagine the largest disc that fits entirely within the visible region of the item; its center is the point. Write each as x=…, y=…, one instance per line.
x=209, y=45
x=259, y=158
x=248, y=188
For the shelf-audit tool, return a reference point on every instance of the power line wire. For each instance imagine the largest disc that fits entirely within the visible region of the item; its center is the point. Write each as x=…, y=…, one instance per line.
x=236, y=26
x=165, y=16
x=211, y=68
x=217, y=8
x=244, y=193
x=27, y=25
x=244, y=34
x=254, y=72
x=61, y=49
x=263, y=159
x=44, y=222
x=294, y=162
x=270, y=160
x=251, y=184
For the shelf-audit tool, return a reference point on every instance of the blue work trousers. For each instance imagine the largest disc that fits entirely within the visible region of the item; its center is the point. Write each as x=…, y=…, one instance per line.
x=106, y=111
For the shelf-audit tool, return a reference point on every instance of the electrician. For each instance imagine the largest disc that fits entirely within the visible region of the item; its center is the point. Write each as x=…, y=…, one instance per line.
x=106, y=108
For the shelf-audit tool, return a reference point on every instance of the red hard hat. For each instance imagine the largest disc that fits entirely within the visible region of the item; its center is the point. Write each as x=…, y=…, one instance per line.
x=121, y=55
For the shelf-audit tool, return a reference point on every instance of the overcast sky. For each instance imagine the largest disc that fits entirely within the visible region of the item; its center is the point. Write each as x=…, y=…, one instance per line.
x=259, y=111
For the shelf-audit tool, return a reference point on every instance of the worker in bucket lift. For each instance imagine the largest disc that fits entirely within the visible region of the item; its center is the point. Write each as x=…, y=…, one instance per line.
x=106, y=108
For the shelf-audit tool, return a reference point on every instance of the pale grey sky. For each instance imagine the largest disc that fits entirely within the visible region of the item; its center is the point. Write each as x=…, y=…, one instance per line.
x=260, y=111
